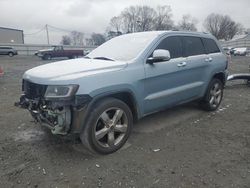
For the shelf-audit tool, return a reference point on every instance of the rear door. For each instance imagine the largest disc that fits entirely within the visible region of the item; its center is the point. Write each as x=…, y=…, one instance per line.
x=197, y=65
x=216, y=60
x=3, y=50
x=212, y=50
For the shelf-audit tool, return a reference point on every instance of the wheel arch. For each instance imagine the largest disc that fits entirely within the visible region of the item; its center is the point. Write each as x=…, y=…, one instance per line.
x=124, y=95
x=221, y=76
x=47, y=54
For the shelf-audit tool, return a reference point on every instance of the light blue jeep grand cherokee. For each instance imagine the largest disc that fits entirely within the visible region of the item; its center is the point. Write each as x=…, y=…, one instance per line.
x=128, y=77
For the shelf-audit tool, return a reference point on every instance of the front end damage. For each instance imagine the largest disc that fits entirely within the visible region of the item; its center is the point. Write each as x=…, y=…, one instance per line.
x=62, y=115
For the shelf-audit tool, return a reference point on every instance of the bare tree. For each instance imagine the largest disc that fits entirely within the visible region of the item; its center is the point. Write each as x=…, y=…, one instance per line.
x=145, y=18
x=142, y=18
x=77, y=38
x=97, y=39
x=187, y=23
x=163, y=19
x=222, y=26
x=130, y=19
x=116, y=23
x=66, y=40
x=111, y=34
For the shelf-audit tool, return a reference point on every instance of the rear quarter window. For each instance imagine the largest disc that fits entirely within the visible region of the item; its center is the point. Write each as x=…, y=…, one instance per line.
x=193, y=46
x=210, y=46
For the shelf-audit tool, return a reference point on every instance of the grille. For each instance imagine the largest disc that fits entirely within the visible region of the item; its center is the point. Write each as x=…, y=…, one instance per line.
x=32, y=90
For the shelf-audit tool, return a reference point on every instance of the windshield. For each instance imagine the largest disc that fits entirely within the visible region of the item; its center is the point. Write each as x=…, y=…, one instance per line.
x=125, y=47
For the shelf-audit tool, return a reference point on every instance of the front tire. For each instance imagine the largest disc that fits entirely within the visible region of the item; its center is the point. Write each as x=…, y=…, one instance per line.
x=213, y=96
x=47, y=57
x=108, y=126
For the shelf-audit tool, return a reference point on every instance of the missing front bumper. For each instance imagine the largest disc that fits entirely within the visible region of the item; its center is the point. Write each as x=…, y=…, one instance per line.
x=56, y=117
x=60, y=116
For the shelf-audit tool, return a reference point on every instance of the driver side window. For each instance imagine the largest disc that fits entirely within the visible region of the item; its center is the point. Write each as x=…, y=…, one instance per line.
x=173, y=45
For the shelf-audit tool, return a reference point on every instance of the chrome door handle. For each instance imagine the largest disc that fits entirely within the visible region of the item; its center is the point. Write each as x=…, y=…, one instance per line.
x=208, y=59
x=183, y=64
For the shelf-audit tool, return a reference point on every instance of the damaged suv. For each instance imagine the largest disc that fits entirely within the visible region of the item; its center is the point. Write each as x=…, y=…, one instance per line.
x=128, y=77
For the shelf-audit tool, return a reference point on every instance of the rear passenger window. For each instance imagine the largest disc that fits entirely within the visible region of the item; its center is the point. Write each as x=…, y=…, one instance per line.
x=173, y=45
x=193, y=46
x=211, y=46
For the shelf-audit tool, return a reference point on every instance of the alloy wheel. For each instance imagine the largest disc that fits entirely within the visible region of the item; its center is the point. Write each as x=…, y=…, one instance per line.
x=111, y=127
x=215, y=95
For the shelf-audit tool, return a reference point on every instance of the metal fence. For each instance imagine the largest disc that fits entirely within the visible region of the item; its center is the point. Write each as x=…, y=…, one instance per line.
x=236, y=43
x=30, y=49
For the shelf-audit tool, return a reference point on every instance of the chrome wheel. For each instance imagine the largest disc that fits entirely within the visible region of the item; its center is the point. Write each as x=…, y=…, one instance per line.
x=111, y=127
x=215, y=95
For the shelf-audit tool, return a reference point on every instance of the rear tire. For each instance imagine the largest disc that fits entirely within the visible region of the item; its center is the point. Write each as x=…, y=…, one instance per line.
x=213, y=96
x=11, y=54
x=108, y=126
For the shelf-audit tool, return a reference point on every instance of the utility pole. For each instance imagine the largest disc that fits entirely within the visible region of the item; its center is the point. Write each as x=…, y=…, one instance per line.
x=47, y=31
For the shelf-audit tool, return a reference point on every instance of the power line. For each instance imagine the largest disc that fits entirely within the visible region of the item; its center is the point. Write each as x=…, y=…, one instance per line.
x=59, y=29
x=35, y=32
x=68, y=31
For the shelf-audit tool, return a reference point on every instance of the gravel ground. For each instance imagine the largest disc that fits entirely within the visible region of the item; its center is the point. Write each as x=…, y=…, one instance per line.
x=181, y=147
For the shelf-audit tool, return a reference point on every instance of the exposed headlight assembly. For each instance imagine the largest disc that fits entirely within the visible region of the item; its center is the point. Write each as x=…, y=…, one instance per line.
x=61, y=91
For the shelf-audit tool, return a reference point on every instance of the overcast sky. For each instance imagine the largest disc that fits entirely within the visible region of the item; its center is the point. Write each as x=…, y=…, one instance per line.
x=93, y=15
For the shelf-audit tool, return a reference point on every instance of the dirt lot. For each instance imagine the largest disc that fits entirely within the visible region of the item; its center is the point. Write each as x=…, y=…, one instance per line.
x=181, y=147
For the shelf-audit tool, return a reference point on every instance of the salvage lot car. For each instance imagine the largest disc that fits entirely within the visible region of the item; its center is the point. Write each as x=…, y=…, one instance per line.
x=240, y=51
x=6, y=50
x=123, y=80
x=58, y=51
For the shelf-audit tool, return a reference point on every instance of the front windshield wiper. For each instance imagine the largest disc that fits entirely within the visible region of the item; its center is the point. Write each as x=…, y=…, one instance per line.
x=104, y=58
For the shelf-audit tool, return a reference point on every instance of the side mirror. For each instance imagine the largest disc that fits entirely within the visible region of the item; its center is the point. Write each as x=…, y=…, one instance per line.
x=159, y=55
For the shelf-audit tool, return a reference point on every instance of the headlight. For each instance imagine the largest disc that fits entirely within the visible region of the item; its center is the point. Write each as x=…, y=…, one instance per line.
x=61, y=91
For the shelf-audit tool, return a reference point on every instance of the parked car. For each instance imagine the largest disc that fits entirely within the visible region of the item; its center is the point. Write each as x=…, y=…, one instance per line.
x=6, y=50
x=123, y=80
x=240, y=51
x=232, y=50
x=58, y=51
x=227, y=49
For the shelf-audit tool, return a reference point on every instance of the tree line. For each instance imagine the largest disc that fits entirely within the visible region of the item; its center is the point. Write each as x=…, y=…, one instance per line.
x=145, y=18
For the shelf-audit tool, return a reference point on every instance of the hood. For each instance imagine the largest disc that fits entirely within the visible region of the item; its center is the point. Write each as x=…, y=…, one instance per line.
x=71, y=70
